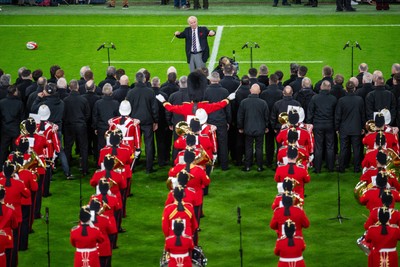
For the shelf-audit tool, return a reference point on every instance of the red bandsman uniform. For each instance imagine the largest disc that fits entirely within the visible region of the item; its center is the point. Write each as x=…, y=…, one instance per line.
x=171, y=213
x=8, y=222
x=86, y=253
x=282, y=155
x=123, y=154
x=50, y=133
x=210, y=131
x=179, y=255
x=130, y=130
x=300, y=175
x=204, y=143
x=190, y=196
x=305, y=138
x=290, y=256
x=198, y=180
x=117, y=182
x=374, y=218
x=29, y=179
x=383, y=252
x=187, y=108
x=38, y=143
x=113, y=206
x=372, y=200
x=4, y=240
x=104, y=224
x=297, y=215
x=370, y=174
x=14, y=195
x=391, y=141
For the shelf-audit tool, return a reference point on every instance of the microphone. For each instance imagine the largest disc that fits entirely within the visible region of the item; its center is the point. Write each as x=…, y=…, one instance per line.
x=47, y=215
x=245, y=45
x=101, y=46
x=256, y=45
x=113, y=46
x=239, y=215
x=346, y=45
x=358, y=45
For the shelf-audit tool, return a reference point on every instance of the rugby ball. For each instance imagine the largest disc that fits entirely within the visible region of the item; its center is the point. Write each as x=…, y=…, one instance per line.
x=31, y=45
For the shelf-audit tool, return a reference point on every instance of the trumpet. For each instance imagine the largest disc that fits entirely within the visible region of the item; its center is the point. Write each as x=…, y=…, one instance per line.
x=360, y=188
x=118, y=165
x=370, y=126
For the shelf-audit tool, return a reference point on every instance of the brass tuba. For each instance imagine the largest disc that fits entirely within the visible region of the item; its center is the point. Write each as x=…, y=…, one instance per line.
x=360, y=188
x=34, y=161
x=202, y=158
x=393, y=162
x=182, y=128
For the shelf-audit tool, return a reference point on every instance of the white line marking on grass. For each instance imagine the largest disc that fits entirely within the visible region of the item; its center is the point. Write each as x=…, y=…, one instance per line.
x=215, y=49
x=175, y=26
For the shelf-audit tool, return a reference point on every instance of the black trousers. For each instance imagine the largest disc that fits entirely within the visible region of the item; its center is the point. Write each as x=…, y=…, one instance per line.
x=78, y=133
x=6, y=142
x=148, y=136
x=92, y=143
x=24, y=233
x=232, y=136
x=239, y=148
x=163, y=140
x=321, y=135
x=249, y=142
x=270, y=146
x=101, y=141
x=346, y=143
x=222, y=142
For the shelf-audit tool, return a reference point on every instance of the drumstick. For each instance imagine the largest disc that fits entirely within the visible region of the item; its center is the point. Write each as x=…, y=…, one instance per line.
x=240, y=84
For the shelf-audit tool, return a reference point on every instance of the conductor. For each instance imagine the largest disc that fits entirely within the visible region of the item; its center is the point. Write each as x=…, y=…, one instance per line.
x=196, y=46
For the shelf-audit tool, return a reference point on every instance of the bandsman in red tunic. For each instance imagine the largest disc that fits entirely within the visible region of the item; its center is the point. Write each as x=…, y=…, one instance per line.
x=292, y=140
x=179, y=210
x=371, y=198
x=181, y=180
x=383, y=239
x=370, y=156
x=208, y=129
x=16, y=190
x=85, y=238
x=387, y=200
x=289, y=248
x=292, y=170
x=128, y=126
x=288, y=211
x=29, y=178
x=287, y=187
x=391, y=138
x=37, y=145
x=8, y=222
x=111, y=207
x=369, y=176
x=103, y=223
x=179, y=247
x=4, y=239
x=49, y=131
x=295, y=123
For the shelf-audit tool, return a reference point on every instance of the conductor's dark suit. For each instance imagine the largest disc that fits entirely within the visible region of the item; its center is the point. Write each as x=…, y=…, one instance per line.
x=202, y=37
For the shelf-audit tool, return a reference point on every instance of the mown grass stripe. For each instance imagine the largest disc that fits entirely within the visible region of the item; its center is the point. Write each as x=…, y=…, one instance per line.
x=174, y=26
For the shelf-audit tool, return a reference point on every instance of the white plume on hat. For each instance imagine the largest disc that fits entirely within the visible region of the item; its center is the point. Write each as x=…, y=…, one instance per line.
x=299, y=110
x=386, y=114
x=44, y=112
x=125, y=108
x=201, y=114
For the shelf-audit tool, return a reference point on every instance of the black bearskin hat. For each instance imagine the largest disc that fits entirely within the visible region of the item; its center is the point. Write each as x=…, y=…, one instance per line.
x=197, y=83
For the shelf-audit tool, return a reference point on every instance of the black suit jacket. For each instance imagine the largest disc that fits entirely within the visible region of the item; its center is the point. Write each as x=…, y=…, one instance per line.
x=202, y=35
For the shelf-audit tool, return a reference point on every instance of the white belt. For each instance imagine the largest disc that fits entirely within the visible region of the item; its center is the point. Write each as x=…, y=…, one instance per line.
x=128, y=138
x=291, y=259
x=178, y=255
x=387, y=250
x=86, y=249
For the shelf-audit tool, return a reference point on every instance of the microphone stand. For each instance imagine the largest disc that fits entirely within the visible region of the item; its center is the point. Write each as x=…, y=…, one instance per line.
x=251, y=45
x=48, y=236
x=352, y=45
x=108, y=46
x=339, y=216
x=239, y=221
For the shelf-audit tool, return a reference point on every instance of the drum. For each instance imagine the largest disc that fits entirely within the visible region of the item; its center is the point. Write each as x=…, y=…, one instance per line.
x=198, y=258
x=363, y=245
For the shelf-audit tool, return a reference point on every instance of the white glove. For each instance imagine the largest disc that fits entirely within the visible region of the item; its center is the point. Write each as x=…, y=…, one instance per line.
x=137, y=153
x=160, y=98
x=214, y=158
x=232, y=96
